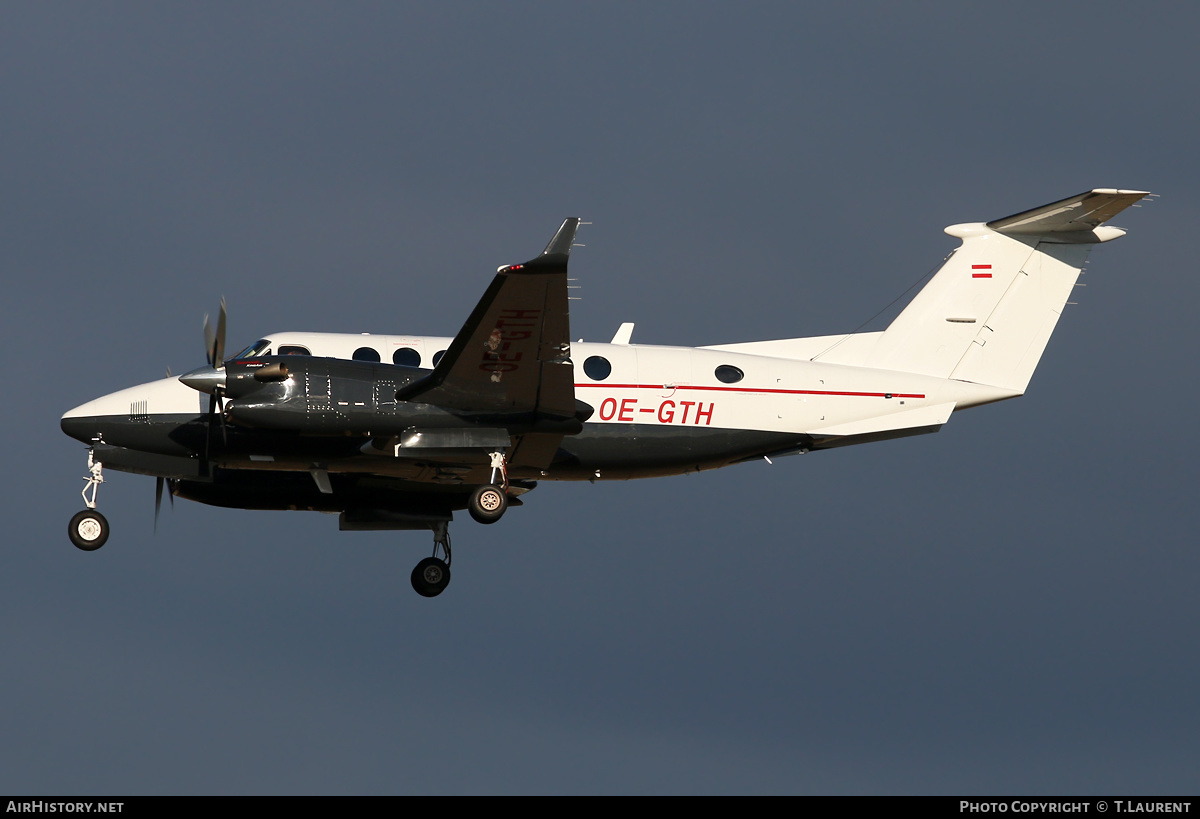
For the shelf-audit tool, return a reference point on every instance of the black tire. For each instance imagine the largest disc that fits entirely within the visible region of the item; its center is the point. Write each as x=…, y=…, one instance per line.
x=88, y=530
x=431, y=577
x=487, y=503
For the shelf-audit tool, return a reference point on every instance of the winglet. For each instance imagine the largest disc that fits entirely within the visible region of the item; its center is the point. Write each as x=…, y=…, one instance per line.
x=554, y=258
x=562, y=241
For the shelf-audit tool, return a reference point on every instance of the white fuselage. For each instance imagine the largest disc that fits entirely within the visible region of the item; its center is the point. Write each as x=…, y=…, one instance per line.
x=664, y=386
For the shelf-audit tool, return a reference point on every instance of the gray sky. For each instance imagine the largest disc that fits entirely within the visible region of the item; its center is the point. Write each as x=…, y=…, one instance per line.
x=1005, y=607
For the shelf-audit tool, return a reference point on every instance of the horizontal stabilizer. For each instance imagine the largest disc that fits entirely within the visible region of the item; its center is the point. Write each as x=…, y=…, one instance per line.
x=1080, y=214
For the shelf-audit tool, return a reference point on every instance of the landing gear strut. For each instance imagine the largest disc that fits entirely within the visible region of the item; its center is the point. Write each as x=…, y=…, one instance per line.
x=432, y=575
x=88, y=529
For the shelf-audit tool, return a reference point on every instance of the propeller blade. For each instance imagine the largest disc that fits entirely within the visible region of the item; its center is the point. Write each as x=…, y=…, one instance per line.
x=158, y=493
x=211, y=381
x=210, y=341
x=158, y=487
x=212, y=407
x=214, y=342
x=219, y=349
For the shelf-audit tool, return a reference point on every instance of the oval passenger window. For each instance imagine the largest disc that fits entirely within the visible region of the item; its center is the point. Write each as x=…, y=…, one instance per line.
x=406, y=357
x=728, y=374
x=597, y=368
x=366, y=354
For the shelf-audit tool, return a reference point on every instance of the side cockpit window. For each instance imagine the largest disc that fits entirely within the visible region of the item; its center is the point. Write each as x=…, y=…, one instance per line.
x=260, y=347
x=293, y=349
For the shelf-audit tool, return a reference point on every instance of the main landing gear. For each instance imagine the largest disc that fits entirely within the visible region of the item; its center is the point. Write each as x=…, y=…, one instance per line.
x=486, y=504
x=432, y=575
x=88, y=529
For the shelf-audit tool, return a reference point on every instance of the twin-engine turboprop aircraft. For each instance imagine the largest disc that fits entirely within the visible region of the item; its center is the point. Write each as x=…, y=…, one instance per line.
x=322, y=422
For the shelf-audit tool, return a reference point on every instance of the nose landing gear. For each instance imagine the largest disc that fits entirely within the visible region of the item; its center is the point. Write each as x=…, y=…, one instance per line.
x=88, y=529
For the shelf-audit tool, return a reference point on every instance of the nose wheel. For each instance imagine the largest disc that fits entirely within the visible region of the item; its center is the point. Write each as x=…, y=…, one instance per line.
x=88, y=530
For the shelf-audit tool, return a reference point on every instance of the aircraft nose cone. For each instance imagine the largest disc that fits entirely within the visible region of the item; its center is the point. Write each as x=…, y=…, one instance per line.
x=80, y=428
x=205, y=379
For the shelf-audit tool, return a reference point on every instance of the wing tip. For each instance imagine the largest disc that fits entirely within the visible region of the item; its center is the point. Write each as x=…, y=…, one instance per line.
x=563, y=238
x=556, y=255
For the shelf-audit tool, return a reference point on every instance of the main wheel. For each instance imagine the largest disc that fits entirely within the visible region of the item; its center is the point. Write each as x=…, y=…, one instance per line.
x=487, y=503
x=431, y=577
x=88, y=530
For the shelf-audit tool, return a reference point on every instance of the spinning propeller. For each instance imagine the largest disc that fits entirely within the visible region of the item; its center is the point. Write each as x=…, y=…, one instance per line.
x=211, y=379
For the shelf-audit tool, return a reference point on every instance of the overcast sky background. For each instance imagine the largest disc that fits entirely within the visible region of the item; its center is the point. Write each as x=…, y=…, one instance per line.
x=1008, y=606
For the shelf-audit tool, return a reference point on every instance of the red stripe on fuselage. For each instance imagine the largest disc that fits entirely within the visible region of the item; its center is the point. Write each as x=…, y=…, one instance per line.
x=753, y=389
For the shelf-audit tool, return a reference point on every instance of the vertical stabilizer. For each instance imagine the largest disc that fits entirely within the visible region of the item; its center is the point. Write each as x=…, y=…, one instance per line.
x=1011, y=341
x=988, y=313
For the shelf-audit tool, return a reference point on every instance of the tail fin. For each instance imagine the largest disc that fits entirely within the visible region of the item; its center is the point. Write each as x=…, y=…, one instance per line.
x=987, y=315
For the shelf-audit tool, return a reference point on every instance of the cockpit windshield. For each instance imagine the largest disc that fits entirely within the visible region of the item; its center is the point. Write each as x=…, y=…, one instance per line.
x=260, y=347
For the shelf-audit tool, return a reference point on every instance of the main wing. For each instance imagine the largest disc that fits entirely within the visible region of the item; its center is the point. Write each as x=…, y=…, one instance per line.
x=512, y=356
